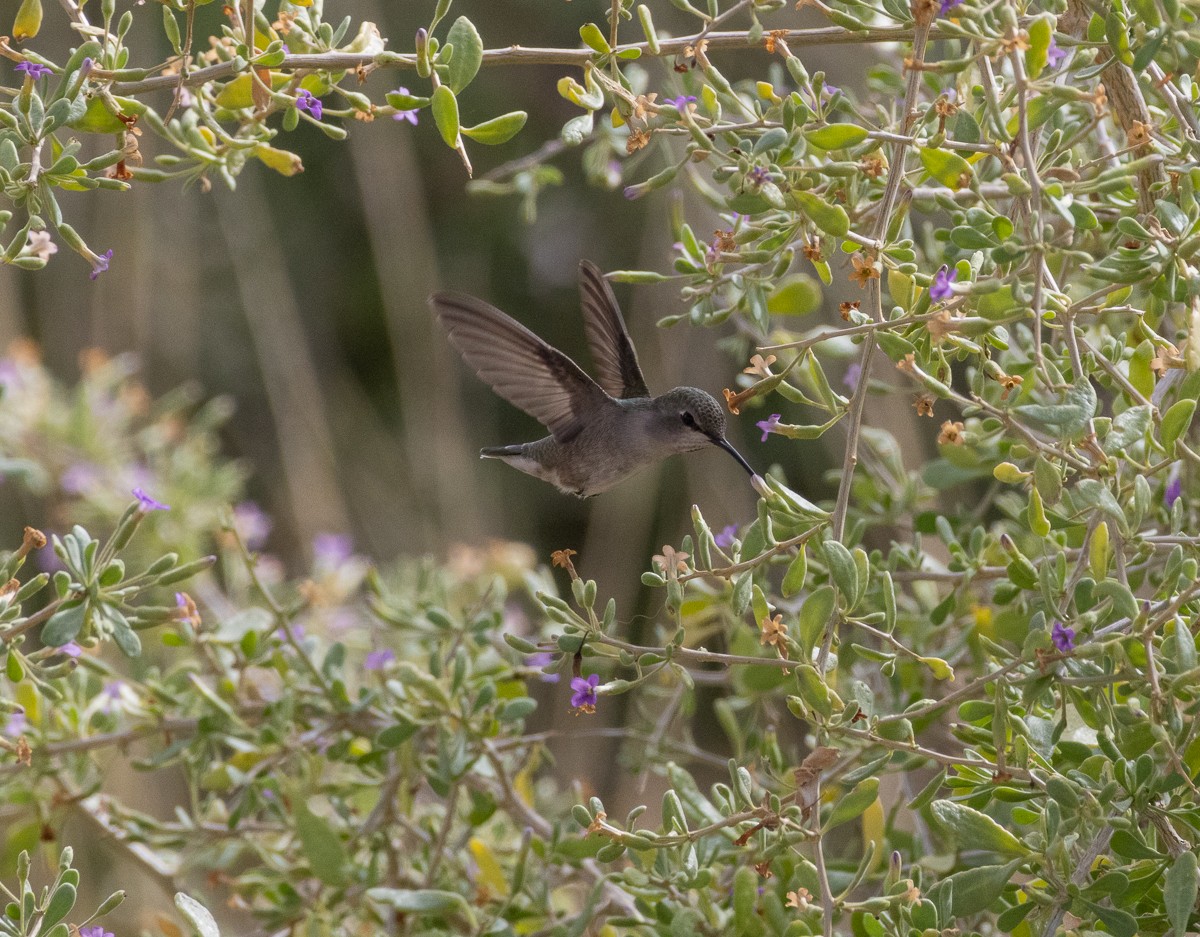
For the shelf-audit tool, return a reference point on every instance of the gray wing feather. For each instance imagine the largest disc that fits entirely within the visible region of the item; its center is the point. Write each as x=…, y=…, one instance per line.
x=518, y=365
x=613, y=353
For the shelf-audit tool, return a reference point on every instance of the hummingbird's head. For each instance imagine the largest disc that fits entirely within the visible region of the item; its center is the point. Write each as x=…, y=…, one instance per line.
x=693, y=420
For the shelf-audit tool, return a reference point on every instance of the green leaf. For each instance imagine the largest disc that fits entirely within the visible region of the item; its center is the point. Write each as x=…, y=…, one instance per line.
x=853, y=803
x=837, y=136
x=402, y=101
x=1179, y=892
x=593, y=38
x=468, y=54
x=61, y=903
x=423, y=901
x=196, y=915
x=1175, y=423
x=796, y=295
x=797, y=572
x=948, y=168
x=1040, y=32
x=976, y=890
x=814, y=616
x=65, y=624
x=445, y=114
x=322, y=847
x=842, y=569
x=497, y=130
x=975, y=830
x=832, y=219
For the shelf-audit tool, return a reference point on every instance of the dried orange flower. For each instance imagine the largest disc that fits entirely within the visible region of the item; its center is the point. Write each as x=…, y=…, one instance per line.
x=760, y=365
x=636, y=140
x=864, y=269
x=597, y=824
x=799, y=899
x=643, y=106
x=873, y=166
x=1138, y=135
x=951, y=434
x=1009, y=382
x=774, y=41
x=846, y=308
x=734, y=401
x=562, y=559
x=924, y=404
x=812, y=252
x=907, y=364
x=723, y=240
x=772, y=631
x=671, y=561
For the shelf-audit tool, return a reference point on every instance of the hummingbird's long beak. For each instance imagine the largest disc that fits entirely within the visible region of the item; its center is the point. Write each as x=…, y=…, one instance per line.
x=728, y=447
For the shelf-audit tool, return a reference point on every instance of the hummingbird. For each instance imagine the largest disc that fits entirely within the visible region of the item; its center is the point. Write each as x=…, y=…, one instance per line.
x=601, y=431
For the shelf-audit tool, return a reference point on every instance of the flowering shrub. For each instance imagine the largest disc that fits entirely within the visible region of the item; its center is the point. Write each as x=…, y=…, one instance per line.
x=957, y=696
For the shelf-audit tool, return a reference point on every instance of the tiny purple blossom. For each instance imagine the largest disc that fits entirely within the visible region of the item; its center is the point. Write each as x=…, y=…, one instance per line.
x=95, y=931
x=110, y=694
x=1174, y=489
x=940, y=289
x=680, y=103
x=947, y=6
x=71, y=649
x=33, y=69
x=331, y=549
x=585, y=691
x=768, y=425
x=410, y=116
x=16, y=724
x=1063, y=637
x=726, y=537
x=86, y=66
x=100, y=264
x=307, y=101
x=1055, y=55
x=252, y=524
x=146, y=503
x=297, y=632
x=539, y=660
x=378, y=660
x=79, y=478
x=759, y=175
x=852, y=375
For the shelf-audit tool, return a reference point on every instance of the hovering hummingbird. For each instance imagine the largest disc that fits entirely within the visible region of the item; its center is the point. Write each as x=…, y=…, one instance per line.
x=600, y=432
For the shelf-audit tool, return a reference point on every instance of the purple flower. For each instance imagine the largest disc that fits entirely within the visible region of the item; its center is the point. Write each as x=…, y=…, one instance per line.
x=539, y=660
x=16, y=724
x=1174, y=489
x=726, y=537
x=100, y=263
x=332, y=549
x=681, y=102
x=852, y=375
x=297, y=632
x=759, y=175
x=94, y=931
x=146, y=504
x=1063, y=637
x=584, y=696
x=377, y=660
x=306, y=101
x=79, y=478
x=86, y=66
x=940, y=288
x=1055, y=55
x=252, y=524
x=410, y=116
x=33, y=69
x=768, y=425
x=71, y=649
x=110, y=694
x=947, y=6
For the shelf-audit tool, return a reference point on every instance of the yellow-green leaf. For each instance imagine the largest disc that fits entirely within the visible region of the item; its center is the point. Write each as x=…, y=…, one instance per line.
x=468, y=54
x=975, y=830
x=592, y=36
x=853, y=804
x=837, y=136
x=497, y=130
x=796, y=295
x=948, y=168
x=283, y=162
x=28, y=21
x=832, y=219
x=445, y=114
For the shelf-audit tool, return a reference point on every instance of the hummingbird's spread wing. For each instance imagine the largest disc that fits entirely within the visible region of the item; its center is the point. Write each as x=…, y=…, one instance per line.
x=613, y=353
x=518, y=365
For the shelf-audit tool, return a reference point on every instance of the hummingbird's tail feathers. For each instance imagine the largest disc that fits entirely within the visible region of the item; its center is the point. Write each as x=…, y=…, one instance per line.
x=613, y=354
x=518, y=365
x=502, y=452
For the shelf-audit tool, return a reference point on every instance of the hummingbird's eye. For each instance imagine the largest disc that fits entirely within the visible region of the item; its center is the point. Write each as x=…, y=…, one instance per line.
x=688, y=419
